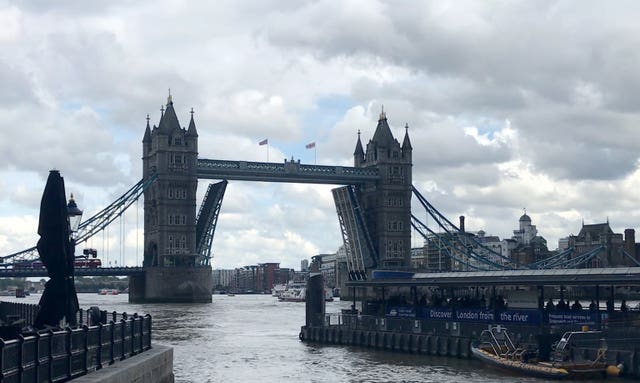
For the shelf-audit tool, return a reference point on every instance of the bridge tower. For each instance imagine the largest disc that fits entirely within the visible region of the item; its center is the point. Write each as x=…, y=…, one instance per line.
x=171, y=153
x=386, y=204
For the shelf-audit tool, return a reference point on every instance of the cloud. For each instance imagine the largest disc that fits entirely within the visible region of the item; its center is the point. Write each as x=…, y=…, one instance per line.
x=509, y=105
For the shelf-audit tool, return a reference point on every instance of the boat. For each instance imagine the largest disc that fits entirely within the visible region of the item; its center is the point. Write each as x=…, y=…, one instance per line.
x=496, y=349
x=20, y=293
x=293, y=294
x=108, y=292
x=328, y=295
x=296, y=292
x=278, y=289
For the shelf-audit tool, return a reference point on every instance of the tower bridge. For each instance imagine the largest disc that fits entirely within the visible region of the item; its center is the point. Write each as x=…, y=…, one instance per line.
x=373, y=208
x=176, y=267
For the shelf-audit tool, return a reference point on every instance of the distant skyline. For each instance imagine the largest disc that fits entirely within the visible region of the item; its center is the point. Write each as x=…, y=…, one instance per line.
x=510, y=105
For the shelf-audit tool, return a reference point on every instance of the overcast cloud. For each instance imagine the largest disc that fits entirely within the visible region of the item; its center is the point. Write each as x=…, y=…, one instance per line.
x=510, y=105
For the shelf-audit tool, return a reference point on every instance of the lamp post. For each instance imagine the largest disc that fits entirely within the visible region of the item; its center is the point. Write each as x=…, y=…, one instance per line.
x=75, y=215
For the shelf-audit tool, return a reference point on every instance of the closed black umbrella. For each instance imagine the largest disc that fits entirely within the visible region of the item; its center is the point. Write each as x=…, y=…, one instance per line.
x=56, y=248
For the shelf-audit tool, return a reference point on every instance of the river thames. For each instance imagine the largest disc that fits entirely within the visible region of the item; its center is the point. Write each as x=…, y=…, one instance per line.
x=254, y=338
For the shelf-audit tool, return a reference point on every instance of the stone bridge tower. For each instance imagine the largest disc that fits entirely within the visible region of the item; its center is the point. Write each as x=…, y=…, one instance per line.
x=387, y=203
x=171, y=154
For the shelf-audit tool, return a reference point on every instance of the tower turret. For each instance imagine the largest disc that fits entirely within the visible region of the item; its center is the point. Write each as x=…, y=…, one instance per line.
x=387, y=203
x=170, y=203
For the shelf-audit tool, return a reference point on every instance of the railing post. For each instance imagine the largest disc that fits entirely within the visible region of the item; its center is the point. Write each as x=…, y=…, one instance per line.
x=1, y=359
x=99, y=350
x=141, y=334
x=68, y=350
x=123, y=333
x=133, y=334
x=149, y=323
x=85, y=346
x=37, y=360
x=111, y=356
x=50, y=356
x=20, y=357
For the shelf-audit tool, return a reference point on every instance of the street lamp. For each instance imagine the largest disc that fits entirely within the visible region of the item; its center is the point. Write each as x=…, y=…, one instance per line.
x=75, y=214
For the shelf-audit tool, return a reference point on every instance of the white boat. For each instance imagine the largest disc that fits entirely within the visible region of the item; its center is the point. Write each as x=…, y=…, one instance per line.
x=328, y=295
x=297, y=292
x=293, y=292
x=278, y=289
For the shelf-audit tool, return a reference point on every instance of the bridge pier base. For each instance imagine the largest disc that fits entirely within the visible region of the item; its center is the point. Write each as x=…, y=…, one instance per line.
x=171, y=285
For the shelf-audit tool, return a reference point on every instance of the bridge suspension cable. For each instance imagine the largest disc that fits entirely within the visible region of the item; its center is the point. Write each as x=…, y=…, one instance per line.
x=98, y=222
x=461, y=242
x=435, y=240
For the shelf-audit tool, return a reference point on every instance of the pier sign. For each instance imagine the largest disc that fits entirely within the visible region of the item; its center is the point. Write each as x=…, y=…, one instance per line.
x=572, y=317
x=439, y=313
x=519, y=316
x=401, y=311
x=474, y=315
x=470, y=315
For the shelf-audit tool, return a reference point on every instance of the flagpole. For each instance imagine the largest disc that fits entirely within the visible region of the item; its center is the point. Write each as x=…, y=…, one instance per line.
x=315, y=157
x=267, y=151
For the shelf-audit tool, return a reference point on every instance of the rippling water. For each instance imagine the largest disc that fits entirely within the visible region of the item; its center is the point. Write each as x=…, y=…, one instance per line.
x=254, y=338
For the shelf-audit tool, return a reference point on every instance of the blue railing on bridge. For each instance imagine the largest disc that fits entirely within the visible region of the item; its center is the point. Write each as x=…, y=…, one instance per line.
x=63, y=354
x=289, y=171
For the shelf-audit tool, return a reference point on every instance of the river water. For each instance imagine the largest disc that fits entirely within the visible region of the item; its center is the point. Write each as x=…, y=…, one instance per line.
x=254, y=338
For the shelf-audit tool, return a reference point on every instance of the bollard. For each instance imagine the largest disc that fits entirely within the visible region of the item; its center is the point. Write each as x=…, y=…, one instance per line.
x=315, y=304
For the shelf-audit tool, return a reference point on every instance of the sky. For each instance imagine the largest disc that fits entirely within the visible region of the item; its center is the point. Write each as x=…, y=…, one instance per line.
x=511, y=105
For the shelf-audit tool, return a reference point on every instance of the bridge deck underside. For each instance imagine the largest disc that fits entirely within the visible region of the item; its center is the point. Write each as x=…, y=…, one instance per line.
x=81, y=272
x=285, y=172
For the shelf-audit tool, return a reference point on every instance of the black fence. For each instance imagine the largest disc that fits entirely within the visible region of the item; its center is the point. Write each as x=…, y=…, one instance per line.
x=61, y=355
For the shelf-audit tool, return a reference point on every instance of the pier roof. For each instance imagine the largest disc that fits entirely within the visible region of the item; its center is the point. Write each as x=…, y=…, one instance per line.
x=572, y=277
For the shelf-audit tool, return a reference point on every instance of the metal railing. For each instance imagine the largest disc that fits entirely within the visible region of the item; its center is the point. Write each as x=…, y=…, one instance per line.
x=64, y=354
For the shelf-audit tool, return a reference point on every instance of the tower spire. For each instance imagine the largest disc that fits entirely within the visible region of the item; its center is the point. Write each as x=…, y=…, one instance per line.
x=383, y=115
x=406, y=144
x=358, y=154
x=191, y=130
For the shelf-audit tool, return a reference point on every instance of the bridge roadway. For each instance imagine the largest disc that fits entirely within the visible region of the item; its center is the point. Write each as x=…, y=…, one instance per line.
x=289, y=171
x=79, y=272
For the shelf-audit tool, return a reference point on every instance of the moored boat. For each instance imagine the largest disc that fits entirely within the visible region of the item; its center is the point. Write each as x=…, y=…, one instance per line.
x=108, y=292
x=496, y=349
x=278, y=289
x=297, y=292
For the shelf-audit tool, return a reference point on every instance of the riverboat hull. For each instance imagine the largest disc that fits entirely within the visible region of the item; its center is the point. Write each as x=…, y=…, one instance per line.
x=532, y=369
x=545, y=370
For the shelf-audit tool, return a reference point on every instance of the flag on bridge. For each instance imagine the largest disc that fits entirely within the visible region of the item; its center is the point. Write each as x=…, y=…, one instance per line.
x=311, y=145
x=263, y=142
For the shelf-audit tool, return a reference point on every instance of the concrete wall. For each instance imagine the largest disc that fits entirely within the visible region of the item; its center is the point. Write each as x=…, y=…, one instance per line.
x=171, y=285
x=152, y=366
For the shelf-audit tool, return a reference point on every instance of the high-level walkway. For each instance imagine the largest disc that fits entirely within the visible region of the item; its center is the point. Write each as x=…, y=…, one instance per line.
x=289, y=171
